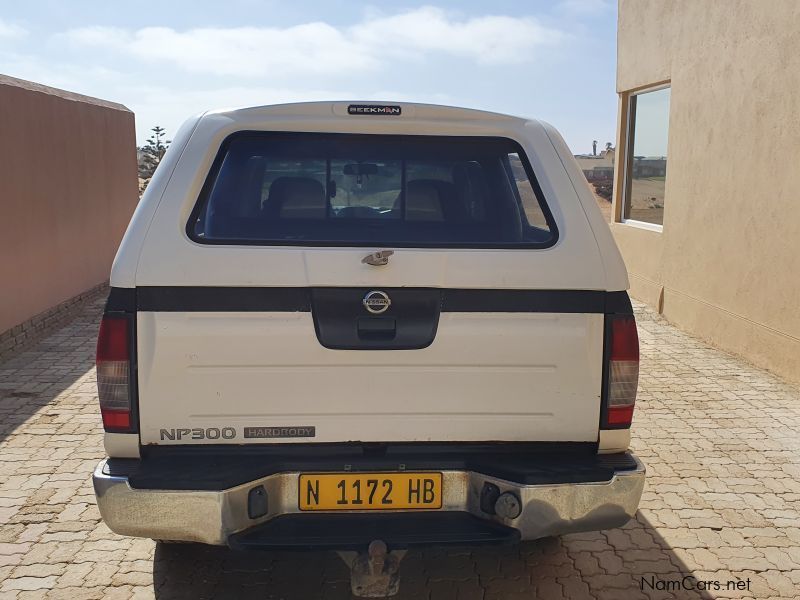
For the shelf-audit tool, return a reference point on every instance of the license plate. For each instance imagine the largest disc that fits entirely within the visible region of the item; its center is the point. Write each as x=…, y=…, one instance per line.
x=370, y=491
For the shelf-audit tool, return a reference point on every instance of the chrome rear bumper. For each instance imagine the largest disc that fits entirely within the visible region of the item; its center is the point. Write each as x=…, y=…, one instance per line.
x=211, y=517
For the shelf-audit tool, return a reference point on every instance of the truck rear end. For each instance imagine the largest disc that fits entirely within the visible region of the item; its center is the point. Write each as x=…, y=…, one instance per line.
x=336, y=323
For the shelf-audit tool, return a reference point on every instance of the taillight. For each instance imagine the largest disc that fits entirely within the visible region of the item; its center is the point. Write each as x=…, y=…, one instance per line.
x=114, y=373
x=623, y=370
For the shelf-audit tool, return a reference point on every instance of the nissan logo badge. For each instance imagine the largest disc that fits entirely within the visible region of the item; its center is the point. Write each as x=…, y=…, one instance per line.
x=376, y=302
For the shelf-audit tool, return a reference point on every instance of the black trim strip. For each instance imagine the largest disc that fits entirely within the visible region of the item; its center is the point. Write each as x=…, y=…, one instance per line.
x=298, y=299
x=523, y=301
x=222, y=299
x=618, y=303
x=121, y=300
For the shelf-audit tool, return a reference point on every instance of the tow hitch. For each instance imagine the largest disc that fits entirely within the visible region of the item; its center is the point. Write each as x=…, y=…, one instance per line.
x=376, y=573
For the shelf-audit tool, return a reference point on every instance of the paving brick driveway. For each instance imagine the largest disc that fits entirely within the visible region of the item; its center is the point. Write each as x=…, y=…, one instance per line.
x=722, y=500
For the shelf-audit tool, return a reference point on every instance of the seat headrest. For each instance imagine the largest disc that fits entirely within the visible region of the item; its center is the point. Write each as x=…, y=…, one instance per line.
x=297, y=198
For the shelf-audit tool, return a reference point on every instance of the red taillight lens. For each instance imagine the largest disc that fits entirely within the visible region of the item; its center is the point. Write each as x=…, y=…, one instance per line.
x=113, y=373
x=623, y=370
x=114, y=420
x=624, y=339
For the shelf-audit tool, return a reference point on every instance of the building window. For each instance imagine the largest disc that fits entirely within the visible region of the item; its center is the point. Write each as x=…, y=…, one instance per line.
x=646, y=160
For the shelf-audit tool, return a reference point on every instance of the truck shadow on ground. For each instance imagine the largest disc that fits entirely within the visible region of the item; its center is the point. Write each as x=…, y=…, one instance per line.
x=33, y=378
x=623, y=564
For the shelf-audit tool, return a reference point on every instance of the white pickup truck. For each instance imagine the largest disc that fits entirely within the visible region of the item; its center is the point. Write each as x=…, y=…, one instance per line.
x=332, y=323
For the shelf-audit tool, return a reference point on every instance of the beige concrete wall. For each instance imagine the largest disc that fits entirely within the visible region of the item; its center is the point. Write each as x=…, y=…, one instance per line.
x=727, y=264
x=68, y=186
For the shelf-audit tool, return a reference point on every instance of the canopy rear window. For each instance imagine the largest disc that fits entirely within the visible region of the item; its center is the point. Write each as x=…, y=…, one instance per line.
x=371, y=190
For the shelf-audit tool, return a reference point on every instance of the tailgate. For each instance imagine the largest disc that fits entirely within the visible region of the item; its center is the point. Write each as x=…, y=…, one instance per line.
x=252, y=376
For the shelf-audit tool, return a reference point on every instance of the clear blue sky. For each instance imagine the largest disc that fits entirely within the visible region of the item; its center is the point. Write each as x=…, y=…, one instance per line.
x=169, y=60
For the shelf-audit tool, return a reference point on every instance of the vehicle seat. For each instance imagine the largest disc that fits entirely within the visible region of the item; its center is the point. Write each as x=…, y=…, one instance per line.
x=296, y=198
x=423, y=201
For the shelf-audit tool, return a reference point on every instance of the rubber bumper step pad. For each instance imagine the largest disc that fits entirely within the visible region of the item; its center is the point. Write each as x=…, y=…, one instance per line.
x=355, y=531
